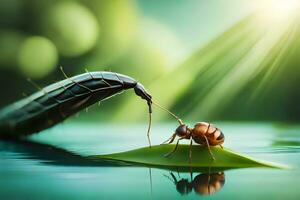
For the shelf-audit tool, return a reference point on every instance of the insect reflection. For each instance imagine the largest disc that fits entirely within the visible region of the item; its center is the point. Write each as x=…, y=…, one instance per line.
x=202, y=184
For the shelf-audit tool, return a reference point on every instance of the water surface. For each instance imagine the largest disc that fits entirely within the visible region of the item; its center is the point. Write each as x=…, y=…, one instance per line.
x=53, y=166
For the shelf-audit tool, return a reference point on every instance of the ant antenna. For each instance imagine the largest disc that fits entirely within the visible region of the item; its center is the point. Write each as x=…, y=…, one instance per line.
x=168, y=177
x=175, y=116
x=149, y=128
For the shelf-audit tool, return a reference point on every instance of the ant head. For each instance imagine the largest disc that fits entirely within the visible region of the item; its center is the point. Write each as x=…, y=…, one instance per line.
x=183, y=186
x=182, y=130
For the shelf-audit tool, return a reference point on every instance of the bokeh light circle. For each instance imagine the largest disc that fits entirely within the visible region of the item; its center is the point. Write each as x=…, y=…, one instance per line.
x=72, y=27
x=37, y=57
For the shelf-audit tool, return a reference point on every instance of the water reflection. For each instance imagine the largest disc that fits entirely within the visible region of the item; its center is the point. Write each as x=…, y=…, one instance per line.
x=202, y=184
x=287, y=140
x=50, y=154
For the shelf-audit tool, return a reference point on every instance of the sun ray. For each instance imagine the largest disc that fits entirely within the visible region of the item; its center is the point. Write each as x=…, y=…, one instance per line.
x=243, y=72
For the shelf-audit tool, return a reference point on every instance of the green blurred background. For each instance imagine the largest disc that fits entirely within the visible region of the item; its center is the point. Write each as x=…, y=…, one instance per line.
x=205, y=60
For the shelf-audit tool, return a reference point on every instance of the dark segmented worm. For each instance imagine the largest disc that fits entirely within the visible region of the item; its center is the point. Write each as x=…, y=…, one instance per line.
x=60, y=100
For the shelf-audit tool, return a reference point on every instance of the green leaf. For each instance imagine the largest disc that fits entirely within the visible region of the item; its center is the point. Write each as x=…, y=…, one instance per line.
x=154, y=156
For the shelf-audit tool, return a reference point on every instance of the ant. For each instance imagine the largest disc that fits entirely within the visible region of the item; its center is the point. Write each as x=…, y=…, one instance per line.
x=203, y=133
x=203, y=184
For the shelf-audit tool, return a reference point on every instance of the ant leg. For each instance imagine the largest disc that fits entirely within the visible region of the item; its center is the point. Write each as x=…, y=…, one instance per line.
x=171, y=139
x=172, y=175
x=191, y=173
x=168, y=154
x=150, y=177
x=190, y=152
x=208, y=146
x=208, y=182
x=221, y=146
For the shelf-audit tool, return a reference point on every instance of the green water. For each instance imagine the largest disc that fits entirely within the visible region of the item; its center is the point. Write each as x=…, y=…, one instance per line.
x=58, y=170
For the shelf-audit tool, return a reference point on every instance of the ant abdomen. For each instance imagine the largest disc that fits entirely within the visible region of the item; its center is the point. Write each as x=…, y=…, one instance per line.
x=207, y=184
x=203, y=128
x=203, y=131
